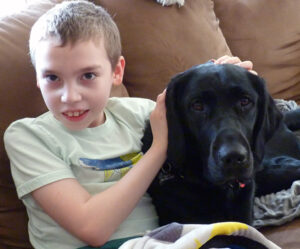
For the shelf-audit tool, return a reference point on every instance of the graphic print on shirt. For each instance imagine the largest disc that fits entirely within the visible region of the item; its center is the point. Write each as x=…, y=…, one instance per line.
x=115, y=168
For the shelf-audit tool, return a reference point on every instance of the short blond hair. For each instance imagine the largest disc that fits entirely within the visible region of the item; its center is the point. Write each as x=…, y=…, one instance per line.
x=73, y=21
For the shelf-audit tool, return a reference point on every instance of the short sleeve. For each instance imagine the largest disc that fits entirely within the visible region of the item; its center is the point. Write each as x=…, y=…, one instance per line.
x=134, y=111
x=34, y=157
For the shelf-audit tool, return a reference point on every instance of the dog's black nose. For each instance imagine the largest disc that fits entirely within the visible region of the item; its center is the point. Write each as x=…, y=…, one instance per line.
x=230, y=150
x=234, y=155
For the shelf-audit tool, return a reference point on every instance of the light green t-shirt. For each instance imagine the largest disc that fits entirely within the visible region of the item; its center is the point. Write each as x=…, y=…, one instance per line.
x=42, y=151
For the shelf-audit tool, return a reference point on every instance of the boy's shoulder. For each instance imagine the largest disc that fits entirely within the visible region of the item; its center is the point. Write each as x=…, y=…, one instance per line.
x=28, y=121
x=119, y=105
x=130, y=101
x=31, y=121
x=130, y=110
x=30, y=125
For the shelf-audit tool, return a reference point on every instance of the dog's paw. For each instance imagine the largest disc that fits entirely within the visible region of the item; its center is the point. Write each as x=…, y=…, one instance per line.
x=170, y=2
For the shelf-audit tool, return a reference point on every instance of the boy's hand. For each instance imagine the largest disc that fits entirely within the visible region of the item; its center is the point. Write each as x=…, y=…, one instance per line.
x=236, y=61
x=158, y=122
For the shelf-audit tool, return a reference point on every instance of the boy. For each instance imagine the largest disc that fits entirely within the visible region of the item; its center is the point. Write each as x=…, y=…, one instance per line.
x=71, y=164
x=66, y=163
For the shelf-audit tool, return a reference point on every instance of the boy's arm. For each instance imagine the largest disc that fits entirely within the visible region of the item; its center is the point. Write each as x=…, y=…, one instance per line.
x=94, y=219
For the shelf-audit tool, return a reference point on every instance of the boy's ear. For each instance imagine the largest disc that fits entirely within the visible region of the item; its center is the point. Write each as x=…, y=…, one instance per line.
x=119, y=71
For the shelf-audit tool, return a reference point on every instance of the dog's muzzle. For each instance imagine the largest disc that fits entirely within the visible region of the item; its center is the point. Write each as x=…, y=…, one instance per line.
x=232, y=158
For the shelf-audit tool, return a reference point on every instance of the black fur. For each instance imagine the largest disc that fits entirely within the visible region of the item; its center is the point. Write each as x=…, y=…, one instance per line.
x=226, y=142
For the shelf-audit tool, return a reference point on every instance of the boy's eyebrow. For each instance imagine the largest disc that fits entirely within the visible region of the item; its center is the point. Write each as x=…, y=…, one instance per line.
x=47, y=71
x=85, y=69
x=91, y=68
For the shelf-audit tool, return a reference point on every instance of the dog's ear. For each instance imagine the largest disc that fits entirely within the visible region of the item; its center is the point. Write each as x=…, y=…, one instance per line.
x=268, y=117
x=177, y=143
x=176, y=134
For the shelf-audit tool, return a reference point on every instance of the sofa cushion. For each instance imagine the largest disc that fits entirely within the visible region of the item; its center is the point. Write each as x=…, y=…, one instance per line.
x=266, y=32
x=159, y=42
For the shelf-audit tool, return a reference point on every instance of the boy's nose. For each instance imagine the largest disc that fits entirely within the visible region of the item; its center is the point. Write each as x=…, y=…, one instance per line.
x=70, y=95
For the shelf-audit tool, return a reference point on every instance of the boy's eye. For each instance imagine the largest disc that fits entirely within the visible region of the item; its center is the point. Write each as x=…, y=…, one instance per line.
x=88, y=76
x=51, y=78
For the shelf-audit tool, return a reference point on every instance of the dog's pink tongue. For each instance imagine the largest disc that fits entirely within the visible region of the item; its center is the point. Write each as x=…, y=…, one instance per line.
x=242, y=185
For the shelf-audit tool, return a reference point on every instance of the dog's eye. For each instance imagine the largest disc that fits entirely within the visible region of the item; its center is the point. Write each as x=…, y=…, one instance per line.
x=244, y=102
x=197, y=106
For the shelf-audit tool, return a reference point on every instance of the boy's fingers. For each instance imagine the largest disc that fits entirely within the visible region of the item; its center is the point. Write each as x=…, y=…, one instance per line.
x=236, y=60
x=254, y=72
x=228, y=59
x=223, y=58
x=160, y=108
x=161, y=97
x=246, y=64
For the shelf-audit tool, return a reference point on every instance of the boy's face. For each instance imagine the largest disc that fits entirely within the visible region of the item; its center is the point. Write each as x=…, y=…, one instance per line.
x=75, y=81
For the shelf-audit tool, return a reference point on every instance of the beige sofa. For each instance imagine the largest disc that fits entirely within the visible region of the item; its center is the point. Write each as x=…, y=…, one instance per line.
x=157, y=43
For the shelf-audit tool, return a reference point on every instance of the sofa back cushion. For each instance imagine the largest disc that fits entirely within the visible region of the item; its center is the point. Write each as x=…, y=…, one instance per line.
x=159, y=42
x=266, y=32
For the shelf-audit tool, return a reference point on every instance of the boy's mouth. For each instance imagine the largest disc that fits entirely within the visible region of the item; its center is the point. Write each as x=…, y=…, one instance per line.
x=75, y=115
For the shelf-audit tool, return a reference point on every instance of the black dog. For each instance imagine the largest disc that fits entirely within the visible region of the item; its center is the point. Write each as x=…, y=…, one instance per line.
x=227, y=143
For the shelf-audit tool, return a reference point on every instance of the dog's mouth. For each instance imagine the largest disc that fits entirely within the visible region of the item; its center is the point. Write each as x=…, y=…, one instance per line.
x=237, y=183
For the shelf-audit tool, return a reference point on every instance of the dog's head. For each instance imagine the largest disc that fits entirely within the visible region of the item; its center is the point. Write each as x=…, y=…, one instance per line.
x=219, y=119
